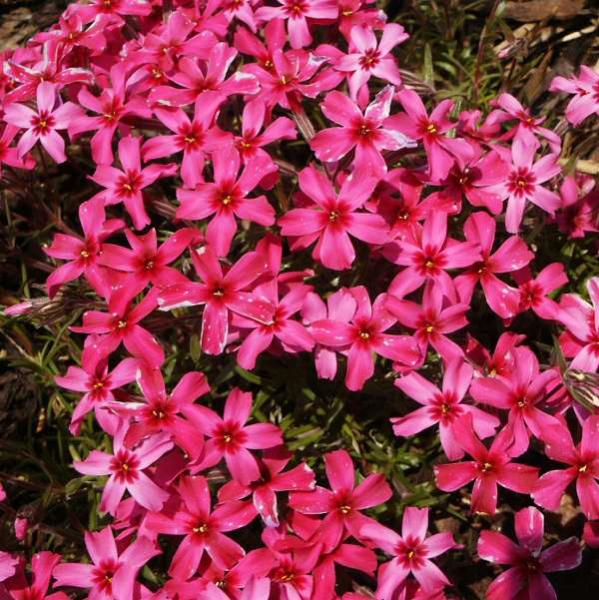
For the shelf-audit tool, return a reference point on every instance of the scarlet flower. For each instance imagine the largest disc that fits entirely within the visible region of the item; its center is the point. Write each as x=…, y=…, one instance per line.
x=230, y=438
x=366, y=132
x=362, y=334
x=490, y=468
x=343, y=504
x=44, y=123
x=333, y=217
x=202, y=527
x=111, y=574
x=227, y=198
x=126, y=470
x=412, y=551
x=528, y=562
x=444, y=408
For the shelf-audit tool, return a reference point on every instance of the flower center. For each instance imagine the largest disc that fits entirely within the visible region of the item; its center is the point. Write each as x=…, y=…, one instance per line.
x=345, y=509
x=203, y=528
x=431, y=128
x=486, y=467
x=121, y=324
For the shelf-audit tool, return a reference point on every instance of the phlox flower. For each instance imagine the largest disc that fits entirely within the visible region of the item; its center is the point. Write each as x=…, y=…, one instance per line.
x=491, y=467
x=412, y=551
x=501, y=361
x=534, y=290
x=443, y=407
x=344, y=502
x=14, y=584
x=584, y=88
x=333, y=217
x=112, y=574
x=227, y=198
x=366, y=133
x=10, y=155
x=255, y=589
x=202, y=527
x=580, y=204
x=527, y=561
x=44, y=123
x=274, y=38
x=126, y=471
x=362, y=335
x=230, y=438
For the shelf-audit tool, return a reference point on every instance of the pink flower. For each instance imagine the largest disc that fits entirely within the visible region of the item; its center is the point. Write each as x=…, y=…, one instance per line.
x=255, y=589
x=584, y=88
x=362, y=335
x=43, y=125
x=370, y=57
x=428, y=257
x=296, y=13
x=490, y=468
x=272, y=480
x=227, y=198
x=412, y=551
x=8, y=565
x=584, y=468
x=534, y=290
x=444, y=408
x=112, y=575
x=145, y=262
x=82, y=254
x=521, y=393
x=416, y=124
x=202, y=527
x=222, y=294
x=126, y=185
x=523, y=184
x=582, y=322
x=15, y=585
x=97, y=383
x=432, y=320
x=501, y=362
x=249, y=44
x=231, y=438
x=291, y=335
x=343, y=504
x=195, y=137
x=121, y=324
x=333, y=217
x=580, y=204
x=9, y=155
x=528, y=564
x=512, y=255
x=367, y=133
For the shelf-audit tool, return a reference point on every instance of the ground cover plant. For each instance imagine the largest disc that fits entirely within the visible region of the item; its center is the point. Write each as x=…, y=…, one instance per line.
x=301, y=301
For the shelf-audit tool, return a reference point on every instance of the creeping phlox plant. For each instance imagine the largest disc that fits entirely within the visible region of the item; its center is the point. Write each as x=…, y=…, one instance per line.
x=311, y=204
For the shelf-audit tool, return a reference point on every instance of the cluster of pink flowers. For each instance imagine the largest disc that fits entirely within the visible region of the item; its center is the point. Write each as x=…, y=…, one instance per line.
x=440, y=201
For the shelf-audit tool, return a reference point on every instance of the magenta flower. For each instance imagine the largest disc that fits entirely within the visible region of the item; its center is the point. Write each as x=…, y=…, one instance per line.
x=126, y=185
x=159, y=414
x=333, y=218
x=528, y=563
x=111, y=575
x=296, y=14
x=343, y=504
x=82, y=254
x=362, y=335
x=370, y=57
x=523, y=184
x=202, y=527
x=580, y=202
x=412, y=551
x=534, y=290
x=512, y=255
x=490, y=468
x=145, y=262
x=117, y=8
x=111, y=107
x=582, y=322
x=501, y=362
x=428, y=257
x=416, y=124
x=227, y=198
x=521, y=393
x=9, y=155
x=195, y=137
x=231, y=438
x=126, y=471
x=97, y=383
x=432, y=320
x=584, y=468
x=274, y=38
x=444, y=408
x=585, y=101
x=14, y=584
x=255, y=589
x=222, y=294
x=43, y=124
x=289, y=334
x=366, y=132
x=8, y=564
x=121, y=324
x=272, y=480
